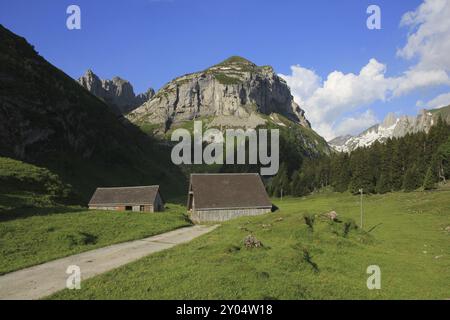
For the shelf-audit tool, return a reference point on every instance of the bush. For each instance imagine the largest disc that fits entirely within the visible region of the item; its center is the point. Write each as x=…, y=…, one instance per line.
x=349, y=225
x=79, y=239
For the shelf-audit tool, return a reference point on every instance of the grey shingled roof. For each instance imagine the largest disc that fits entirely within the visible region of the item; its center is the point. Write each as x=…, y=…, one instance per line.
x=124, y=195
x=229, y=191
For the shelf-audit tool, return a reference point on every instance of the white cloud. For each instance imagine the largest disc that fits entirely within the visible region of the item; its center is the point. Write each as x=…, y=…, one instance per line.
x=303, y=81
x=357, y=123
x=428, y=42
x=415, y=78
x=429, y=38
x=441, y=100
x=325, y=102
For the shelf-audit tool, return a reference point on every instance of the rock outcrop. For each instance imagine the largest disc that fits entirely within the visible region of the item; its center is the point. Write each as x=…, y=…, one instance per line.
x=235, y=90
x=118, y=93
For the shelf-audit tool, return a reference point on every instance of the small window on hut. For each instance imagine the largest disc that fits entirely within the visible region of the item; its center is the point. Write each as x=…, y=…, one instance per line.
x=142, y=208
x=128, y=208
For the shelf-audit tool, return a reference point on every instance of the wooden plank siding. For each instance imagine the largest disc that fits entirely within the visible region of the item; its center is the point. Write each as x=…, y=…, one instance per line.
x=198, y=216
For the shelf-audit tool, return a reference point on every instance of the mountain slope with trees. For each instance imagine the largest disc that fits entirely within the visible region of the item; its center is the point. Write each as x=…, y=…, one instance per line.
x=48, y=119
x=419, y=160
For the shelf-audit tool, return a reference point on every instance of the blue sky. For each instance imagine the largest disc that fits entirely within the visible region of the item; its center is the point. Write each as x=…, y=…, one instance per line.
x=149, y=42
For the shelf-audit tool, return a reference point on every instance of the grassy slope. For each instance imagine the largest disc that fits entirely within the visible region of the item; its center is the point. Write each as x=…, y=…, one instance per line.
x=62, y=231
x=35, y=227
x=444, y=112
x=408, y=242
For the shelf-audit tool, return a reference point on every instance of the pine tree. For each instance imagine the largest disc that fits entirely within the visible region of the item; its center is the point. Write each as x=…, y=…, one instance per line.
x=340, y=172
x=280, y=183
x=397, y=166
x=383, y=185
x=443, y=161
x=299, y=186
x=362, y=174
x=430, y=179
x=410, y=181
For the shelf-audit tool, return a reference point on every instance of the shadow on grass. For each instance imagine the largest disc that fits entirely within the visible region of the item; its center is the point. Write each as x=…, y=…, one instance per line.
x=374, y=227
x=23, y=205
x=29, y=211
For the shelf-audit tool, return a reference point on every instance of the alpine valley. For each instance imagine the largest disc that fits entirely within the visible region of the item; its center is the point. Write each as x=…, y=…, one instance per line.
x=95, y=177
x=94, y=132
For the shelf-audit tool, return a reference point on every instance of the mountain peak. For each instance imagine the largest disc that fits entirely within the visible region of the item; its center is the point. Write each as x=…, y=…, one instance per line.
x=393, y=126
x=89, y=74
x=118, y=92
x=232, y=92
x=237, y=60
x=390, y=119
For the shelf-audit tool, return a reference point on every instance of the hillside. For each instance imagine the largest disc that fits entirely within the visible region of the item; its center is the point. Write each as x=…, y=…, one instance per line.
x=48, y=119
x=24, y=185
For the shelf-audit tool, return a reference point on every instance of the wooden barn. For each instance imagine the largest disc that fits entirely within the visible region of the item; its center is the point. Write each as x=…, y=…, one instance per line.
x=145, y=198
x=220, y=197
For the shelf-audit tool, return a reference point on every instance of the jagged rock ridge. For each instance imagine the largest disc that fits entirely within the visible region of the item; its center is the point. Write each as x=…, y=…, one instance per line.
x=234, y=91
x=117, y=92
x=391, y=127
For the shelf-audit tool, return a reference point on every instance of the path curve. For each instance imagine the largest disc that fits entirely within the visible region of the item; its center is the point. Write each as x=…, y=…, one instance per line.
x=44, y=279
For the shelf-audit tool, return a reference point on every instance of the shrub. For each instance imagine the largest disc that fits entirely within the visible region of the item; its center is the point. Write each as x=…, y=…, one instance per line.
x=308, y=259
x=349, y=225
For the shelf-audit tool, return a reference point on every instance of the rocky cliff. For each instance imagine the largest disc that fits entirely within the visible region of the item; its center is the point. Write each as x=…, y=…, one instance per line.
x=391, y=127
x=118, y=93
x=235, y=92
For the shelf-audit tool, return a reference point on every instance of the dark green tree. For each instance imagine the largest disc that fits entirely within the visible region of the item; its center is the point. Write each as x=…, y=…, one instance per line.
x=383, y=185
x=430, y=179
x=300, y=185
x=410, y=181
x=280, y=183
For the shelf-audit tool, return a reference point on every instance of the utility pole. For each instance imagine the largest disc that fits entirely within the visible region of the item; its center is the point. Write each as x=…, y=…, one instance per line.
x=361, y=191
x=281, y=194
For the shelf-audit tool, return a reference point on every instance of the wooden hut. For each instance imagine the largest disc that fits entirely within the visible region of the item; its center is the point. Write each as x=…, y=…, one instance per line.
x=144, y=198
x=220, y=197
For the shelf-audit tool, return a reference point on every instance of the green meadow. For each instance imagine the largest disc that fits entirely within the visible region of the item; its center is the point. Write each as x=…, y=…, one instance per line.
x=36, y=226
x=44, y=234
x=304, y=254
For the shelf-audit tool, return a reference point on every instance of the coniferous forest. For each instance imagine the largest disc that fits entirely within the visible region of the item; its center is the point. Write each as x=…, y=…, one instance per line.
x=419, y=160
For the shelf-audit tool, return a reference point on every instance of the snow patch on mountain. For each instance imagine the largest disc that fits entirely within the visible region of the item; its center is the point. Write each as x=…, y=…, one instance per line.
x=391, y=127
